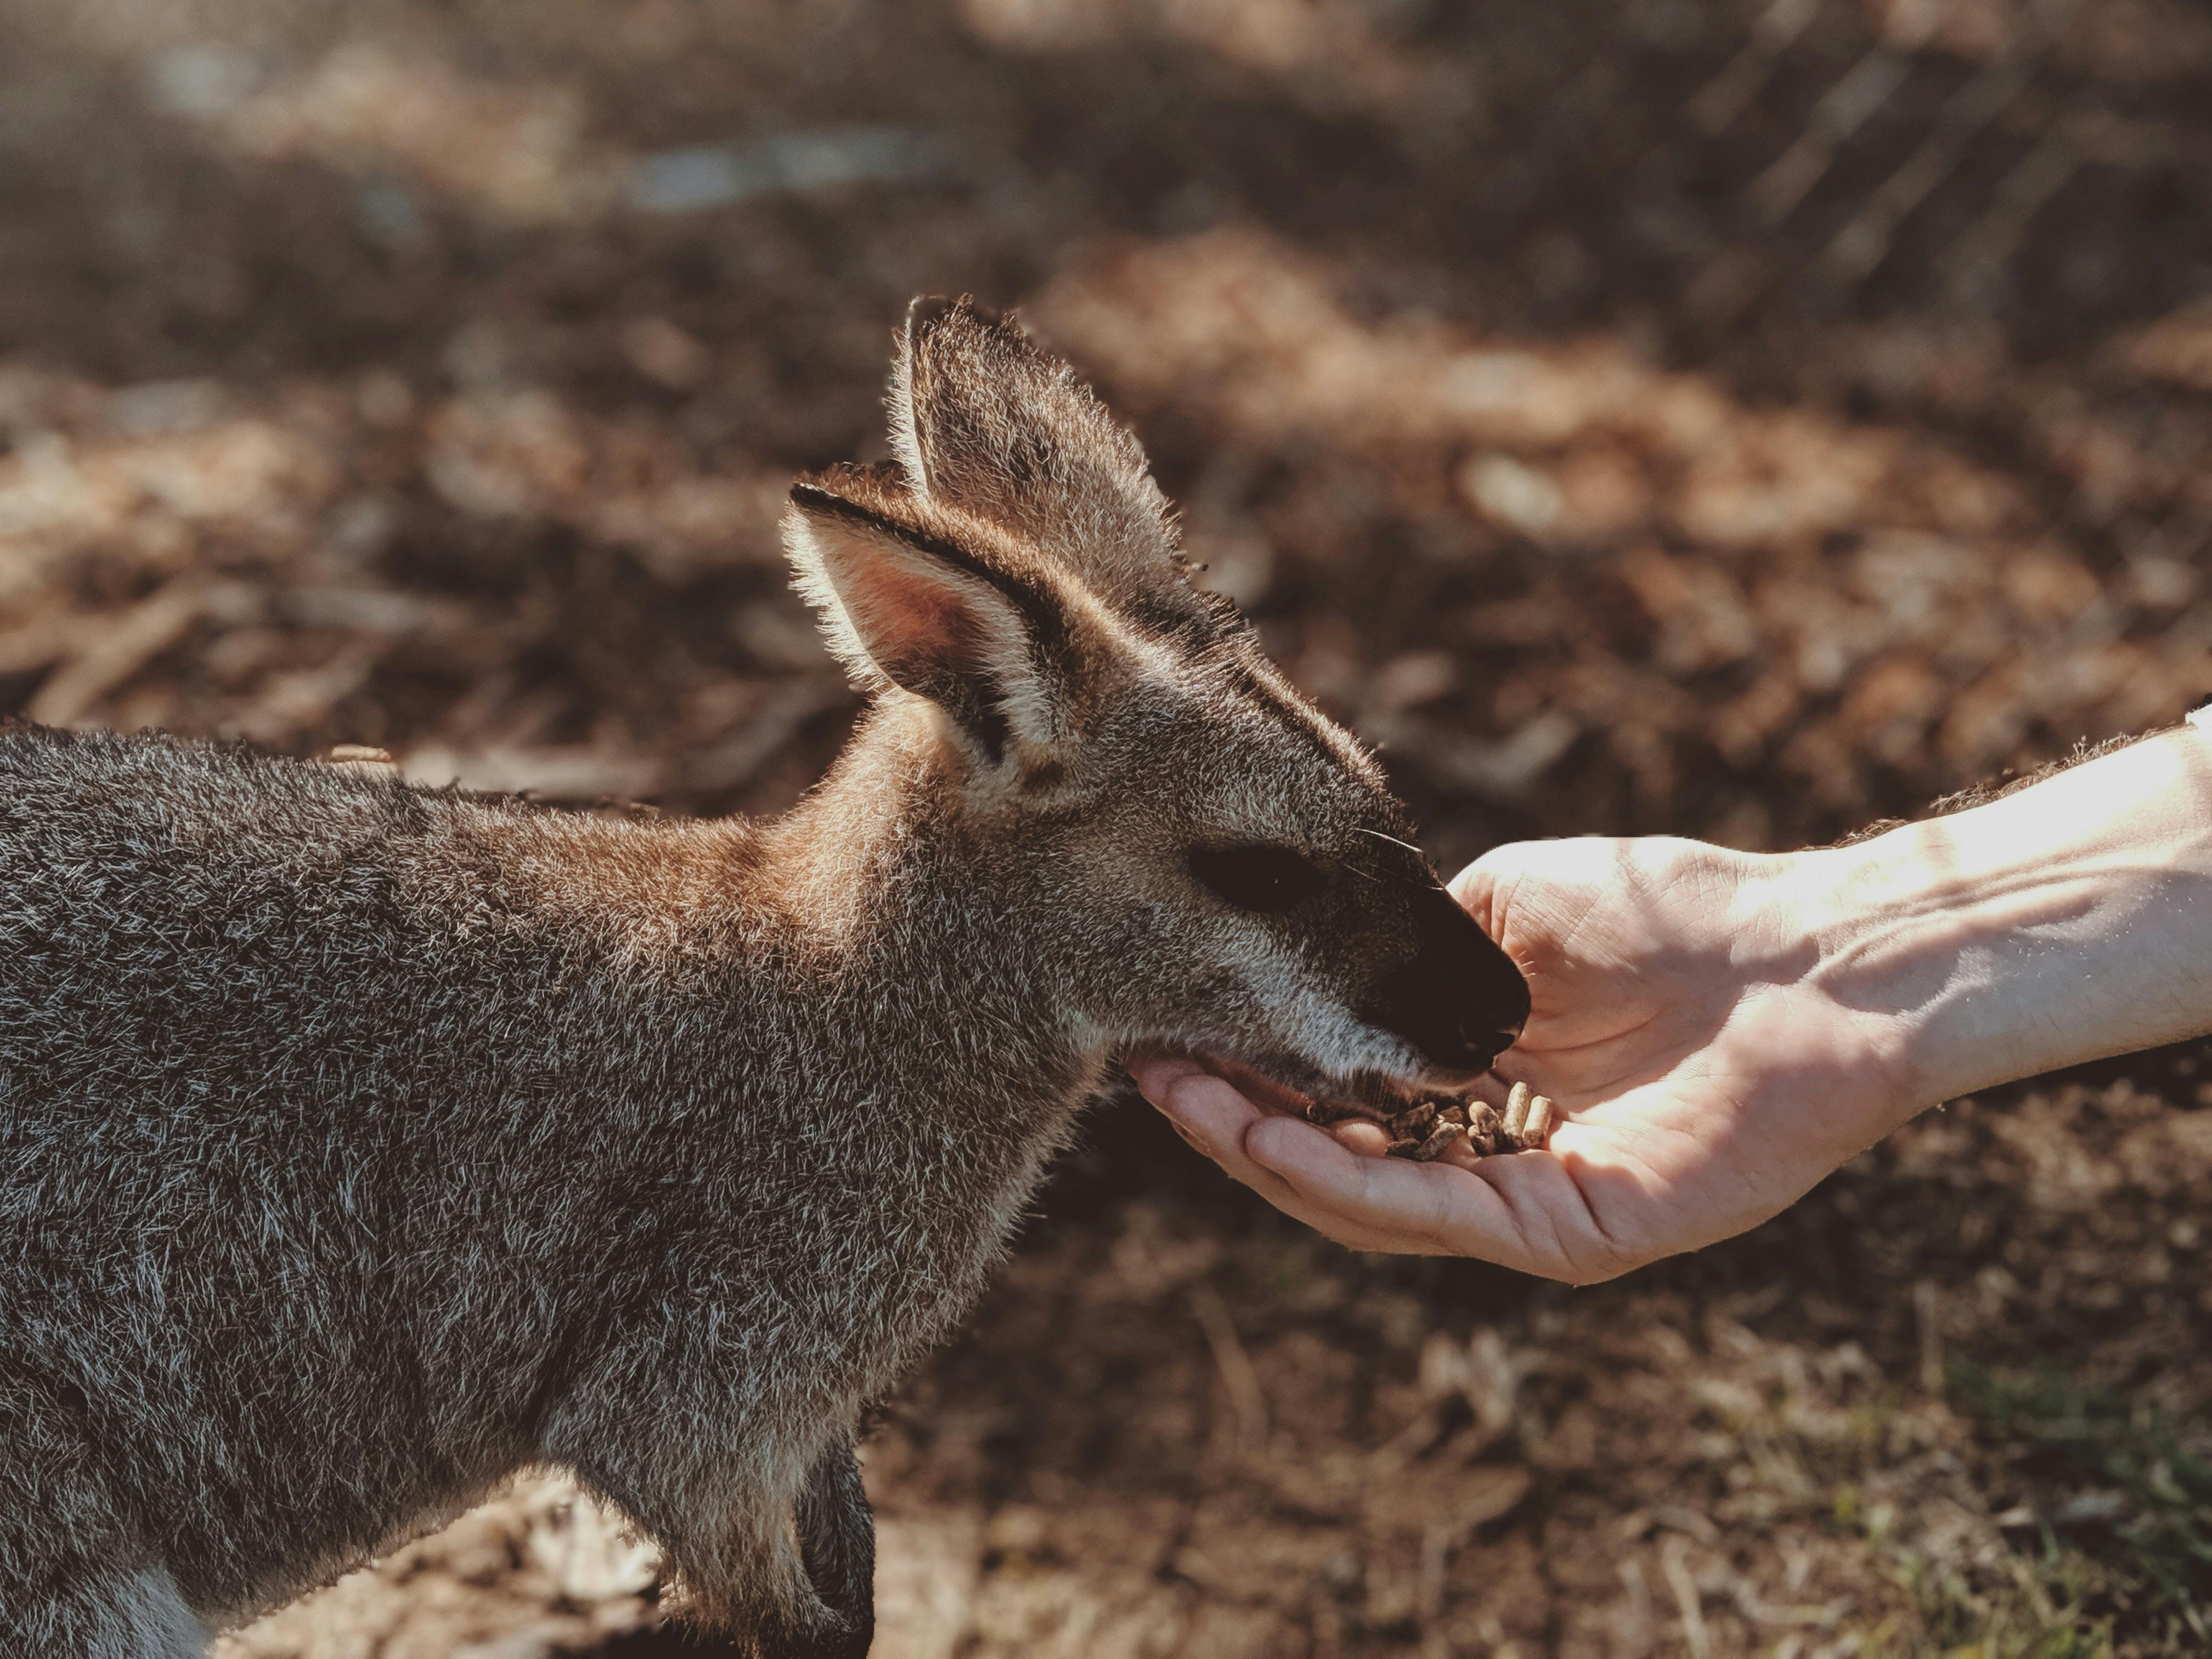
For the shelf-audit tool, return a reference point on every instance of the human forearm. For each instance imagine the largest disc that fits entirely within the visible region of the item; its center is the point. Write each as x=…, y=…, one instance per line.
x=2070, y=920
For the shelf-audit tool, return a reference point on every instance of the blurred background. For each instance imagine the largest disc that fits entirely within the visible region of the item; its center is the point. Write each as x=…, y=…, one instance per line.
x=1740, y=418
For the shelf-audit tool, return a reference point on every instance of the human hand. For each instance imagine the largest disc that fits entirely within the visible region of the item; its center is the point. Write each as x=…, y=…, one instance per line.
x=1686, y=1021
x=1722, y=1029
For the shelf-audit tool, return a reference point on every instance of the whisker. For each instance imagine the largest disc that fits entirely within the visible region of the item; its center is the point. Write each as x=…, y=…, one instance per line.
x=1423, y=874
x=1394, y=842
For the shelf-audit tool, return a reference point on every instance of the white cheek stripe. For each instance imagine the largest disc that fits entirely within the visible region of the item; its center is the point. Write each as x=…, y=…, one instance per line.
x=1316, y=1026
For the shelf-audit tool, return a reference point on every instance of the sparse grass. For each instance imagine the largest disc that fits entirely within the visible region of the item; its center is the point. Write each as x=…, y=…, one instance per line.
x=2030, y=1616
x=2121, y=1502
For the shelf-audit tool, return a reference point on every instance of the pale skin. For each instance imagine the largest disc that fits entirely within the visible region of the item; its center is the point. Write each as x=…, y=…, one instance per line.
x=1722, y=1030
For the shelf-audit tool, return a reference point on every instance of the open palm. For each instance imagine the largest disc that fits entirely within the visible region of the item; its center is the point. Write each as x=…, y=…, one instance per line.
x=1681, y=1018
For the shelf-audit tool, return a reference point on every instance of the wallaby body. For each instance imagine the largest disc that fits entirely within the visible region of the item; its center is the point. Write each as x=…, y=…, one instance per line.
x=565, y=1140
x=360, y=1144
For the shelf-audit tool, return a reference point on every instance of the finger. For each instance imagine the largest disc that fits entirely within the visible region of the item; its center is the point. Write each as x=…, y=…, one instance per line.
x=1155, y=1074
x=1445, y=1207
x=1532, y=1211
x=1476, y=887
x=1343, y=1228
x=1471, y=887
x=1463, y=1153
x=1215, y=1118
x=1367, y=1140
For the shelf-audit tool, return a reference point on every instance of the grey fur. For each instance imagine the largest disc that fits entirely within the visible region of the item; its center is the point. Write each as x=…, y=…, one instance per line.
x=361, y=1143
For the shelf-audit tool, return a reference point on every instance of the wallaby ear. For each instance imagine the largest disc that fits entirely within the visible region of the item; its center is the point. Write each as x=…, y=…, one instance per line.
x=983, y=421
x=903, y=605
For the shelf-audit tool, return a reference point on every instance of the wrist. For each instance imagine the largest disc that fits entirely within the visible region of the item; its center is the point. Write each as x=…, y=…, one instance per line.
x=2061, y=924
x=1907, y=934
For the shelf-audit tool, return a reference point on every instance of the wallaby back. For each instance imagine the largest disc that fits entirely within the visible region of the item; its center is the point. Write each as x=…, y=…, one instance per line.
x=361, y=1143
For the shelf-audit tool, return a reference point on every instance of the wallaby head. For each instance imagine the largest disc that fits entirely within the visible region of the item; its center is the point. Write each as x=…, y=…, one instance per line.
x=1224, y=868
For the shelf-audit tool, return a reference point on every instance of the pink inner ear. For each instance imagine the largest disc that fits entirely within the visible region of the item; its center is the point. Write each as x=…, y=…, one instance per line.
x=917, y=625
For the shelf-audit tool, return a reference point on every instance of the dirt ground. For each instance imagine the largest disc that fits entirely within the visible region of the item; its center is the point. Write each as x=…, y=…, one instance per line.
x=1731, y=419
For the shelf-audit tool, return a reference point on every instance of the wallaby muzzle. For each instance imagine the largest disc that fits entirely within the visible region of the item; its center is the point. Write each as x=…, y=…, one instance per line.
x=1458, y=999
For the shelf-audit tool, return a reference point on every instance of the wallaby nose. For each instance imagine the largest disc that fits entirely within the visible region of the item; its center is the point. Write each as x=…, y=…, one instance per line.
x=1480, y=1030
x=1458, y=999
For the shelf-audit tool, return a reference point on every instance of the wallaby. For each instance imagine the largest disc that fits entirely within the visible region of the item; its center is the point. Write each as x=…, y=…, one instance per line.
x=361, y=1143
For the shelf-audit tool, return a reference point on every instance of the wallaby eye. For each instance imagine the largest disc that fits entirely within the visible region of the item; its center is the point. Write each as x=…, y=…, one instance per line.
x=1256, y=877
